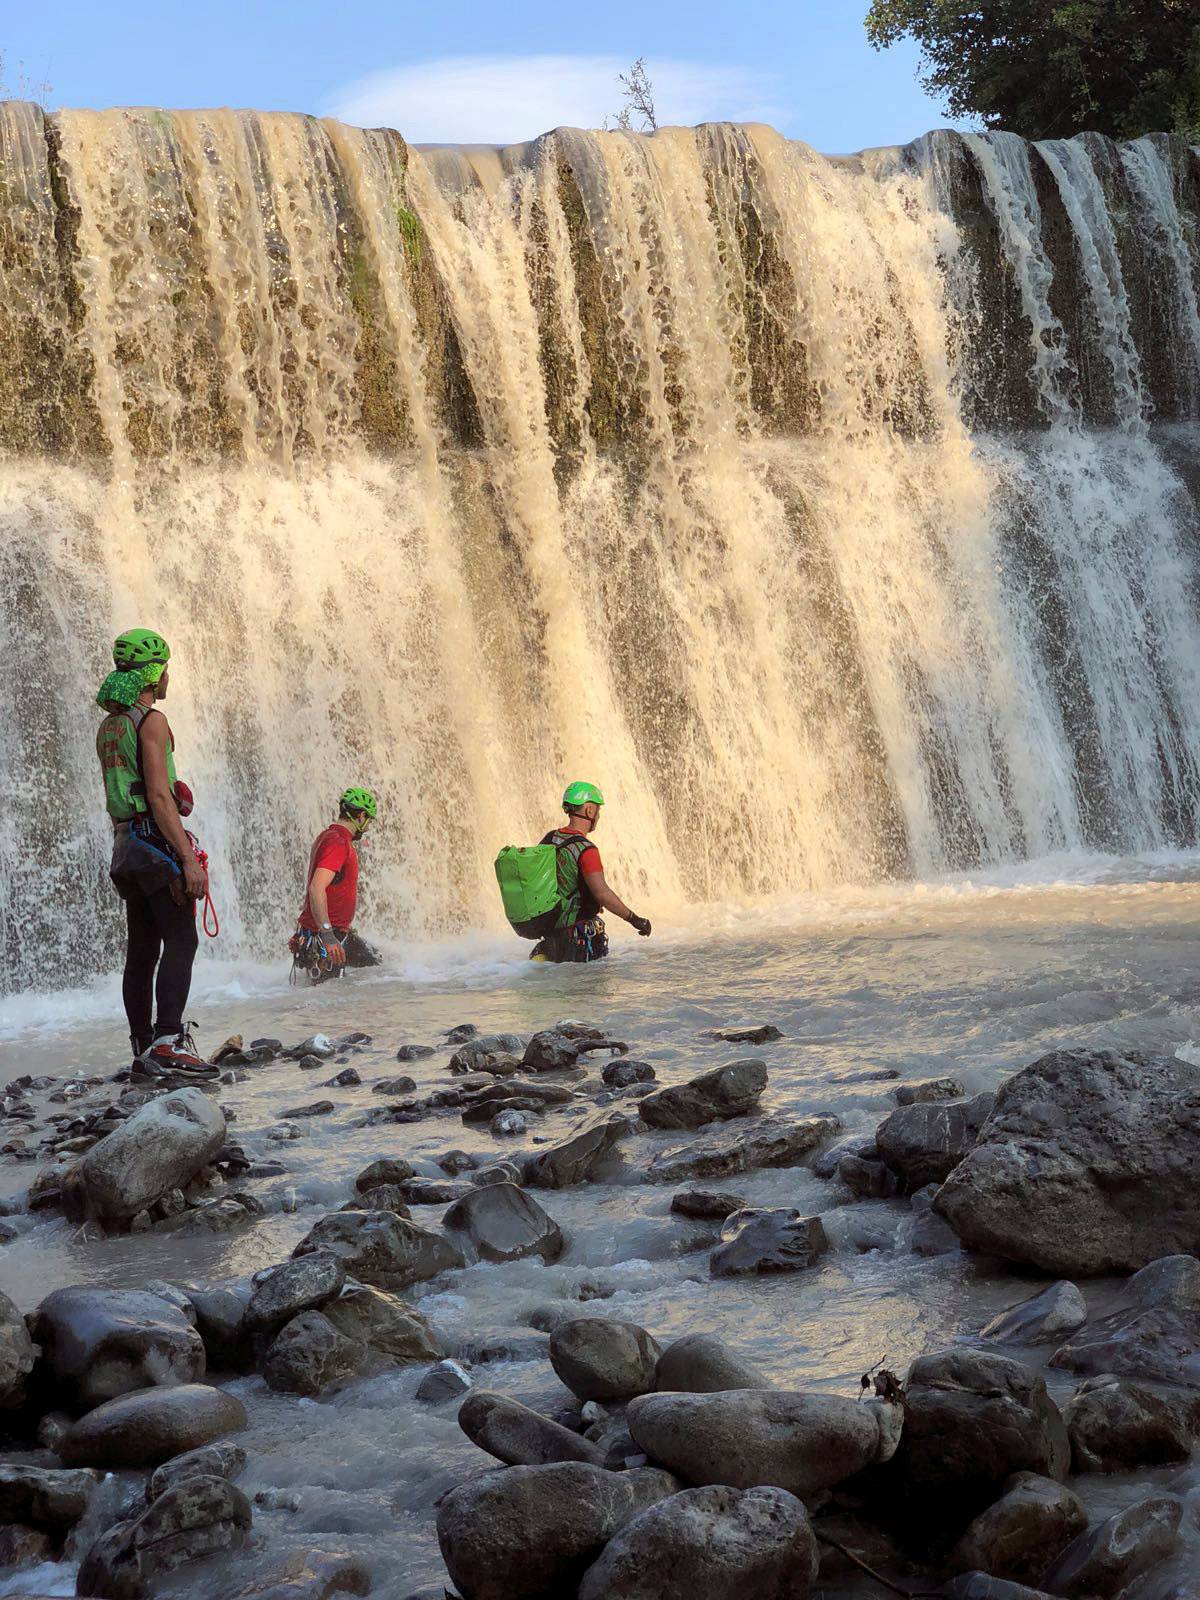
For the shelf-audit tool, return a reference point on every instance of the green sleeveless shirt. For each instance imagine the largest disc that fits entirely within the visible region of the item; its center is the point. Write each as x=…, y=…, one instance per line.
x=121, y=766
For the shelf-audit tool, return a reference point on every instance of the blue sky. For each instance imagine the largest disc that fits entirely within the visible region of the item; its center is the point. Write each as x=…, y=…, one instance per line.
x=479, y=73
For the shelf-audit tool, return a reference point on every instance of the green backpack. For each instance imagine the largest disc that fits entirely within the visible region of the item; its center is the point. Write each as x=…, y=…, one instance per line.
x=530, y=885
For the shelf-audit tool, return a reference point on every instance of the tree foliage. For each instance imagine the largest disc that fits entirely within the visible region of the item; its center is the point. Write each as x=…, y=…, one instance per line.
x=638, y=92
x=1048, y=70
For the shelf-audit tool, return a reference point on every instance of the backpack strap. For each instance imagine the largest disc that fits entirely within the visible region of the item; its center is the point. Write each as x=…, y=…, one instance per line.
x=139, y=788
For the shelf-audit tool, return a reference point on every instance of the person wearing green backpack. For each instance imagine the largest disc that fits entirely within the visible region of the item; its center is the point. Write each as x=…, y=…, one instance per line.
x=555, y=891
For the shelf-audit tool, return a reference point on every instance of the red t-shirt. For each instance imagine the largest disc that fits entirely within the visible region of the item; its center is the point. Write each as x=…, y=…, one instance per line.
x=335, y=851
x=589, y=859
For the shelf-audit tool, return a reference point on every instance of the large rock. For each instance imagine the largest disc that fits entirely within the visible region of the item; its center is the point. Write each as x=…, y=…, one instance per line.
x=714, y=1543
x=100, y=1343
x=733, y=1090
x=798, y=1442
x=767, y=1241
x=530, y=1533
x=386, y=1170
x=1019, y=1535
x=312, y=1575
x=504, y=1223
x=1114, y=1425
x=394, y=1334
x=199, y=1517
x=144, y=1429
x=303, y=1284
x=309, y=1353
x=923, y=1143
x=981, y=1586
x=222, y=1460
x=221, y=1323
x=161, y=1147
x=380, y=1248
x=1086, y=1166
x=1154, y=1335
x=1045, y=1318
x=519, y=1436
x=972, y=1420
x=707, y=1205
x=45, y=1498
x=576, y=1159
x=474, y=1055
x=700, y=1363
x=1105, y=1560
x=768, y=1142
x=601, y=1359
x=16, y=1353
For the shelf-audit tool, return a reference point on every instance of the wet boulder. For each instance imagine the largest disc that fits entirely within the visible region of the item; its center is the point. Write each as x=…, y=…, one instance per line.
x=221, y=1323
x=700, y=1363
x=16, y=1353
x=707, y=1205
x=1044, y=1318
x=44, y=1497
x=924, y=1142
x=199, y=1517
x=1021, y=1533
x=100, y=1343
x=309, y=1353
x=749, y=1033
x=602, y=1359
x=745, y=1438
x=767, y=1142
x=504, y=1223
x=981, y=1586
x=715, y=1542
x=380, y=1248
x=624, y=1073
x=447, y=1381
x=576, y=1159
x=532, y=1532
x=1101, y=1563
x=222, y=1460
x=387, y=1169
x=394, y=1334
x=474, y=1055
x=1086, y=1166
x=519, y=1436
x=1115, y=1425
x=148, y=1428
x=869, y=1180
x=733, y=1090
x=1154, y=1335
x=312, y=1575
x=928, y=1090
x=23, y=1547
x=303, y=1284
x=767, y=1241
x=160, y=1147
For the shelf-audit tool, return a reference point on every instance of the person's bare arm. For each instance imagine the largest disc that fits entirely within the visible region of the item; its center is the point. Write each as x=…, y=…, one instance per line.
x=318, y=900
x=162, y=803
x=611, y=901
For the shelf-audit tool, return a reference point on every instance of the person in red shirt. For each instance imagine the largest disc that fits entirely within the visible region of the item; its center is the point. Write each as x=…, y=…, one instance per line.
x=583, y=888
x=324, y=942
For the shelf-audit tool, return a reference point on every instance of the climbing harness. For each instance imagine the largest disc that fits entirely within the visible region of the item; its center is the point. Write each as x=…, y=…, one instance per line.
x=313, y=957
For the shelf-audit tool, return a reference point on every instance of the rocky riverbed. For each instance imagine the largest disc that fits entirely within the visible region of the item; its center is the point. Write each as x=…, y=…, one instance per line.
x=503, y=1322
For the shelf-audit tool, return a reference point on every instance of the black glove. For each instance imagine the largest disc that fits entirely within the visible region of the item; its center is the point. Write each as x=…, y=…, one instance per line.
x=642, y=924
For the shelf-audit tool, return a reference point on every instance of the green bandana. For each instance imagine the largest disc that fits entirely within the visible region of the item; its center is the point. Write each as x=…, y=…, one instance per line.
x=123, y=688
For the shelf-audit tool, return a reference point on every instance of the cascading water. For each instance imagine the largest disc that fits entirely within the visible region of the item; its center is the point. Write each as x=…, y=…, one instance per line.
x=834, y=515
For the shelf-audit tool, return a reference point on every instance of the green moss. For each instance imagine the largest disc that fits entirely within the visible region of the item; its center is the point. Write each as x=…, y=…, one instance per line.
x=410, y=231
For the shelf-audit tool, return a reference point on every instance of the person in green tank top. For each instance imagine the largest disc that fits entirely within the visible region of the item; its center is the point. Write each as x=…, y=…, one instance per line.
x=154, y=867
x=583, y=890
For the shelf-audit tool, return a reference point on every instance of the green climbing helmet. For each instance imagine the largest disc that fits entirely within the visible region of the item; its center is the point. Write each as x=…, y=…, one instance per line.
x=140, y=647
x=581, y=794
x=359, y=800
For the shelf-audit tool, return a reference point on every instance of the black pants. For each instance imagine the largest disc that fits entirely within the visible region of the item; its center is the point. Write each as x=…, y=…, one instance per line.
x=586, y=941
x=358, y=952
x=162, y=934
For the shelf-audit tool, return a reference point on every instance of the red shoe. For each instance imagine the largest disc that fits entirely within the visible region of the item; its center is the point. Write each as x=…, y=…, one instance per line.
x=176, y=1056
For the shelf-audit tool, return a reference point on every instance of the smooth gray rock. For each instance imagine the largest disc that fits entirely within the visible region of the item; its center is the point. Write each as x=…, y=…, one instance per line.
x=1019, y=1535
x=1044, y=1318
x=394, y=1334
x=707, y=1204
x=1160, y=1345
x=1086, y=1166
x=381, y=1249
x=387, y=1197
x=222, y=1460
x=100, y=1343
x=923, y=1143
x=313, y=1575
x=148, y=1428
x=309, y=1353
x=387, y=1169
x=716, y=1543
x=768, y=1142
x=16, y=1353
x=545, y=1094
x=700, y=1363
x=767, y=1241
x=473, y=1055
x=1114, y=1425
x=551, y=1051
x=798, y=1442
x=927, y=1090
x=600, y=1359
x=1105, y=1560
x=575, y=1160
x=733, y=1090
x=1171, y=1283
x=753, y=1033
x=221, y=1324
x=529, y=1533
x=869, y=1180
x=161, y=1147
x=504, y=1223
x=44, y=1497
x=624, y=1073
x=519, y=1436
x=23, y=1547
x=826, y=1164
x=303, y=1284
x=980, y=1586
x=199, y=1517
x=447, y=1381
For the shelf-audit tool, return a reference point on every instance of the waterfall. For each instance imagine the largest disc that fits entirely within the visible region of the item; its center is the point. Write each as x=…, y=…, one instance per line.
x=836, y=516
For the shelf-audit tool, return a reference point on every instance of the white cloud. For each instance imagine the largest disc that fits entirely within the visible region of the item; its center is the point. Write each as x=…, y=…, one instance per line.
x=507, y=99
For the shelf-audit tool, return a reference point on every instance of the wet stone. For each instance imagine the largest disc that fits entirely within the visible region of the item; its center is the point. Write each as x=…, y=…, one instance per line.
x=147, y=1428
x=707, y=1204
x=756, y=1033
x=504, y=1223
x=730, y=1091
x=317, y=1108
x=599, y=1358
x=624, y=1073
x=929, y=1089
x=445, y=1381
x=1045, y=1318
x=199, y=1517
x=767, y=1241
x=387, y=1169
x=414, y=1052
x=302, y=1284
x=44, y=1497
x=221, y=1460
x=401, y=1085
